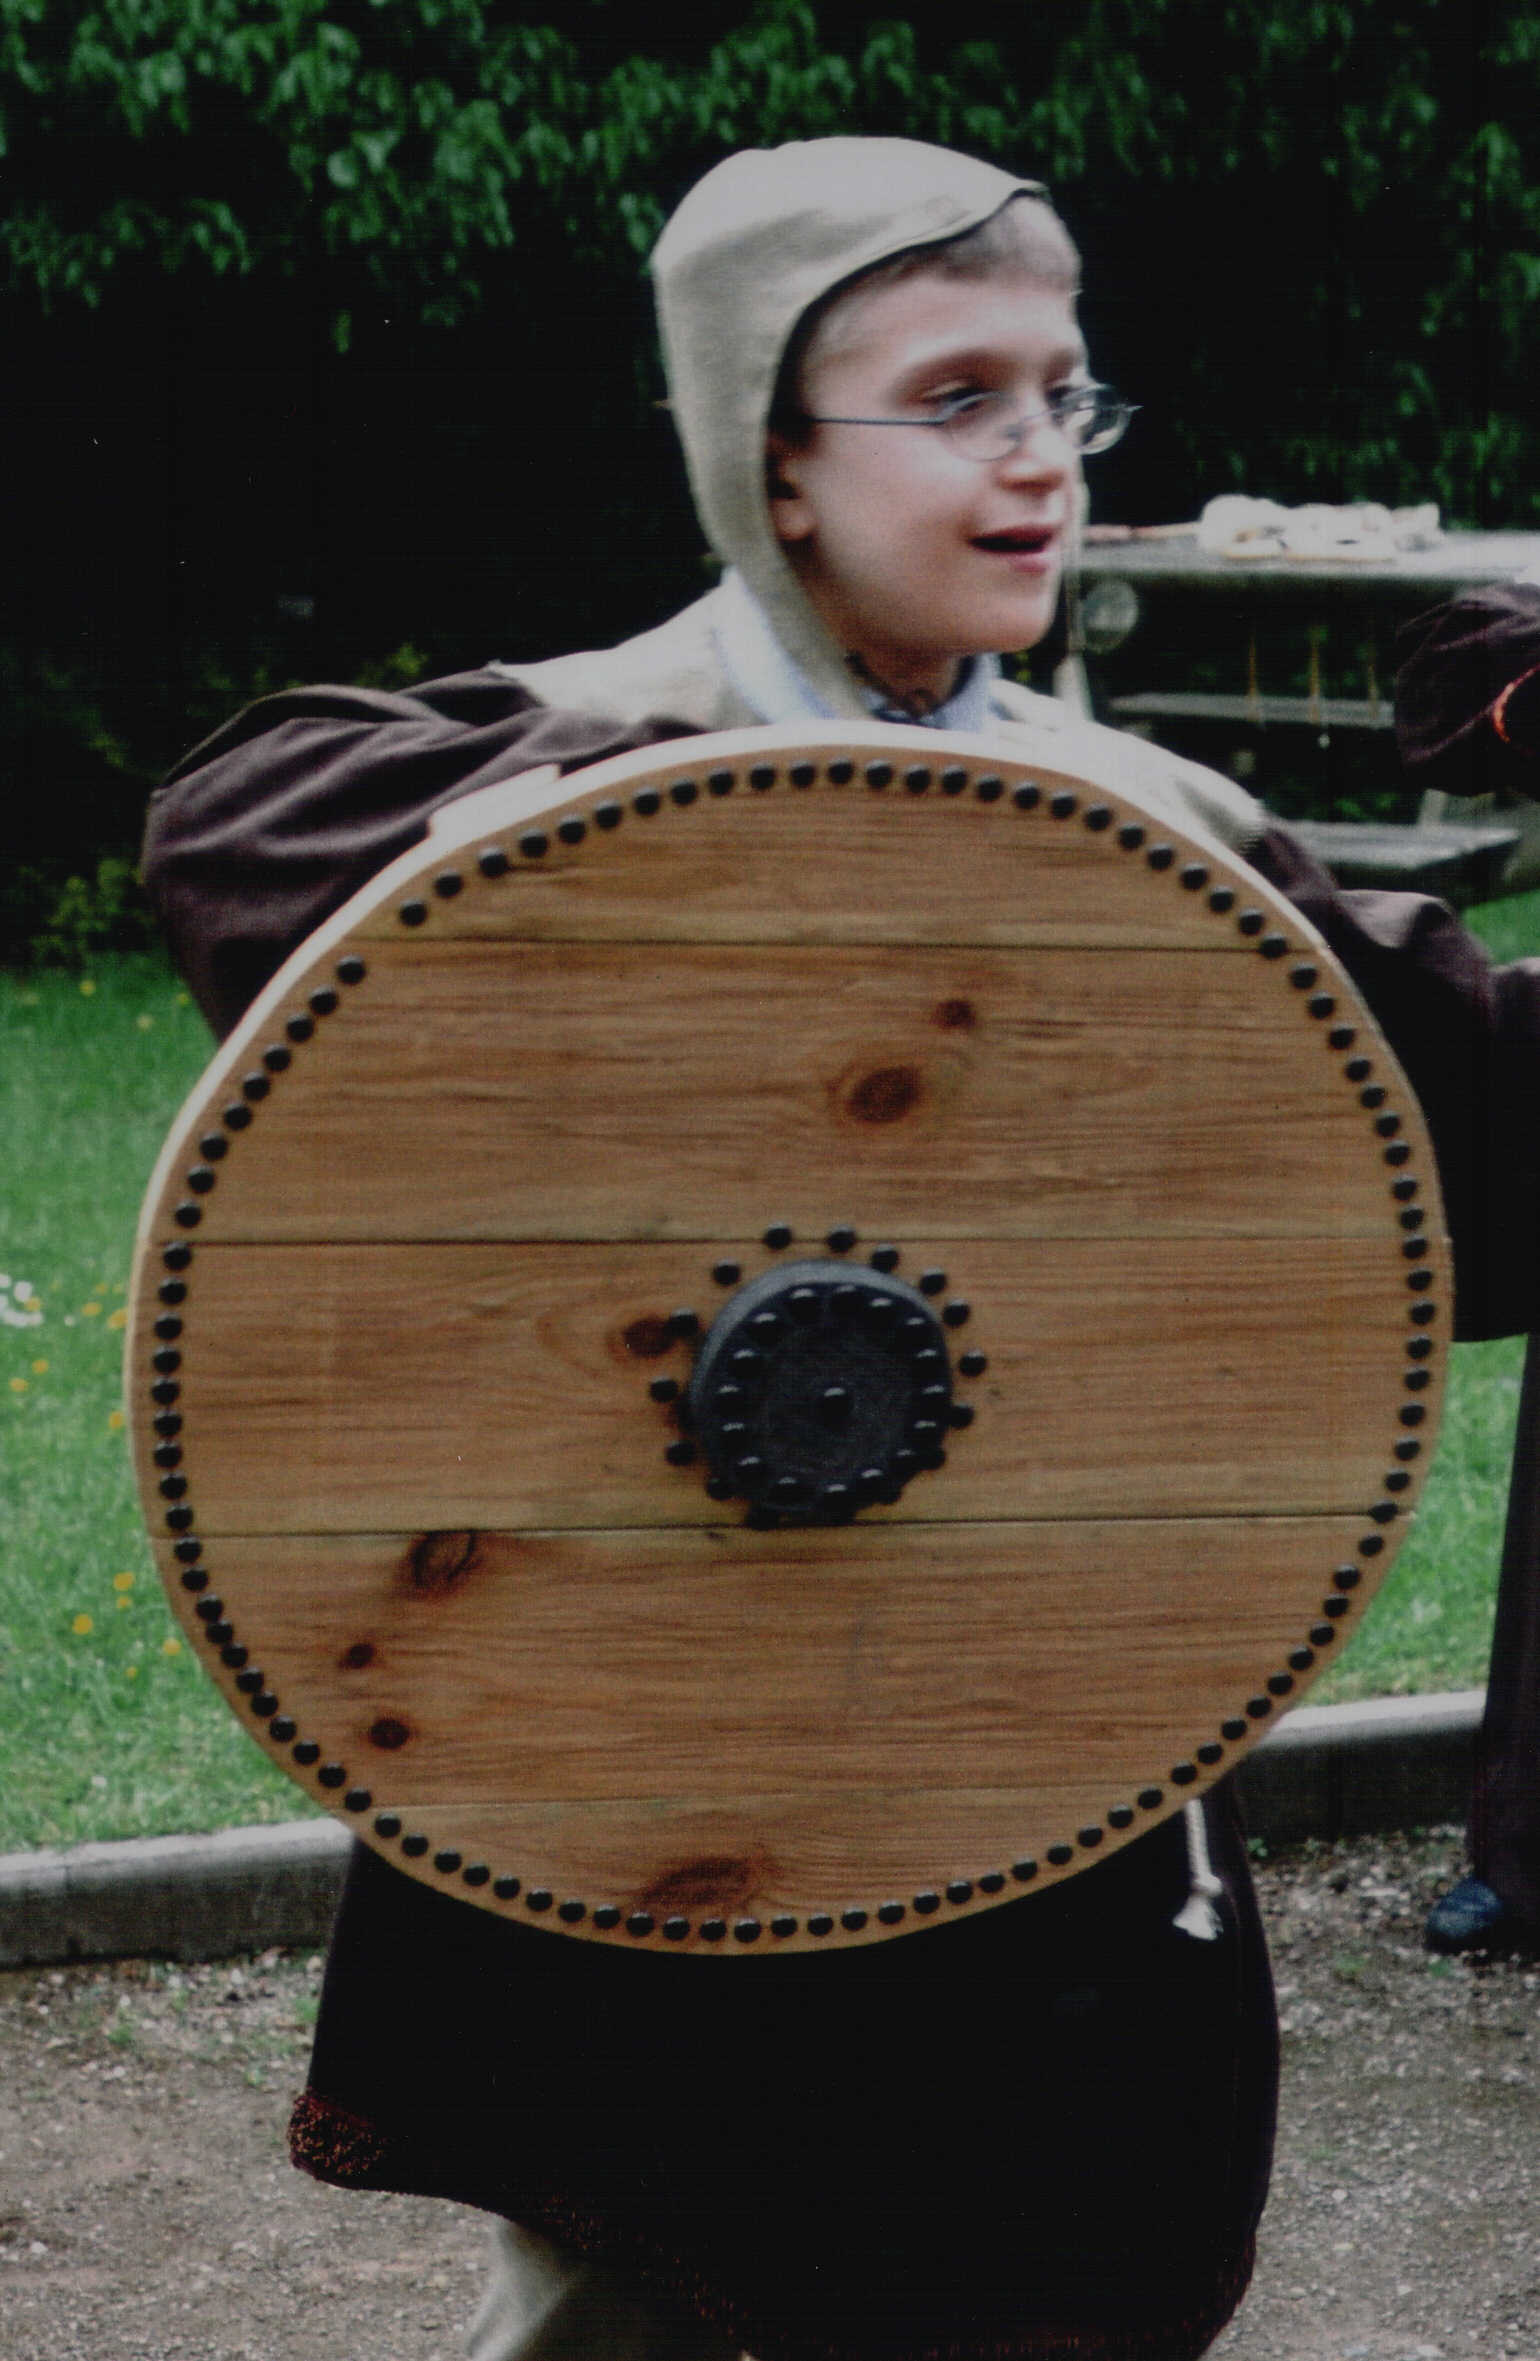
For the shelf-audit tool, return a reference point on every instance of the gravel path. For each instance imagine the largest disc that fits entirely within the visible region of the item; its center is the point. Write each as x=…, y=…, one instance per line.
x=146, y=2207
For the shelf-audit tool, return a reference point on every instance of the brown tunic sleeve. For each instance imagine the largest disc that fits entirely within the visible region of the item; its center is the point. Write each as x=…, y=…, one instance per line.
x=270, y=824
x=1468, y=693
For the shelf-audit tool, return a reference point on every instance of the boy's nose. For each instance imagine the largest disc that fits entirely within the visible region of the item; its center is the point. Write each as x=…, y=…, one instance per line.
x=1041, y=450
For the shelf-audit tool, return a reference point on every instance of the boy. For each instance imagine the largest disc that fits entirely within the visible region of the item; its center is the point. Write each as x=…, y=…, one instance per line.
x=1044, y=2132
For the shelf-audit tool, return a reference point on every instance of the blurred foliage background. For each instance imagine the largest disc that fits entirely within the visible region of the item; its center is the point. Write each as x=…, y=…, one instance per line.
x=327, y=347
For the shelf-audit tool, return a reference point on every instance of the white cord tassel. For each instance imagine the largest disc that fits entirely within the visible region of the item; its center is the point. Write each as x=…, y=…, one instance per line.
x=1197, y=1916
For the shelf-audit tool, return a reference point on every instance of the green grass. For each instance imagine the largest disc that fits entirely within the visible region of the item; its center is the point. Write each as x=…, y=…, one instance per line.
x=107, y=1727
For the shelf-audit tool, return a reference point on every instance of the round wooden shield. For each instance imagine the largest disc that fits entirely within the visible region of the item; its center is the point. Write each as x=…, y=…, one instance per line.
x=785, y=1339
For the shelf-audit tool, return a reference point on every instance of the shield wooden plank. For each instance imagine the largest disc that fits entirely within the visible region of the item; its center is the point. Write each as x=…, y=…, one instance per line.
x=786, y=1338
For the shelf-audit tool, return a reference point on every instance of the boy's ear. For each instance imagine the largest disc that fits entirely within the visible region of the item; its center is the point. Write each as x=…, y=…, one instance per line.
x=790, y=512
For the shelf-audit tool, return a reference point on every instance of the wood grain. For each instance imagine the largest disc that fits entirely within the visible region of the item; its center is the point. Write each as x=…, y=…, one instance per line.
x=338, y=1388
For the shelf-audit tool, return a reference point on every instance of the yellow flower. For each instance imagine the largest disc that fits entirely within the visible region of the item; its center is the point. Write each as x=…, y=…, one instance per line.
x=100, y=1288
x=81, y=1625
x=144, y=1023
x=130, y=1672
x=122, y=1582
x=91, y=1310
x=171, y=1647
x=117, y=1319
x=122, y=1600
x=183, y=1000
x=40, y=1368
x=87, y=986
x=18, y=1385
x=115, y=1421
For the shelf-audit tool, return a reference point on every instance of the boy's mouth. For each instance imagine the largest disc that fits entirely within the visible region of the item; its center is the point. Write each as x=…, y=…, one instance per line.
x=1019, y=540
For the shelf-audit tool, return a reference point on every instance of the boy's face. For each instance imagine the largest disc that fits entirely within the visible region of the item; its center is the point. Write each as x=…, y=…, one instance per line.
x=913, y=554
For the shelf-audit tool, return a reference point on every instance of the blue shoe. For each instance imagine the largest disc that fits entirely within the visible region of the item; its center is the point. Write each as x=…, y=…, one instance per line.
x=1470, y=1917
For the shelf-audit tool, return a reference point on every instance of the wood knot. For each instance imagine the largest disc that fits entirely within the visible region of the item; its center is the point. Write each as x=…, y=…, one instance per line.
x=389, y=1733
x=716, y=1882
x=955, y=1016
x=438, y=1562
x=648, y=1337
x=886, y=1094
x=354, y=1659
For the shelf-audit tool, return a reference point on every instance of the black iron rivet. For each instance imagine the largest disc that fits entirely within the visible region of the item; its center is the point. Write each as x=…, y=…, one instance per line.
x=176, y=1256
x=330, y=1774
x=1417, y=1281
x=884, y=1258
x=1210, y=1752
x=1183, y=1774
x=492, y=861
x=265, y=1705
x=1232, y=1729
x=1062, y=804
x=663, y=1389
x=1195, y=877
x=675, y=1929
x=255, y=1086
x=323, y=1000
x=1371, y=1545
x=219, y=1632
x=777, y=1236
x=1411, y=1217
x=168, y=1327
x=283, y=1729
x=413, y=913
x=1060, y=1855
x=357, y=1799
x=1089, y=1838
x=719, y=1488
x=1130, y=836
x=1222, y=899
x=202, y=1178
x=1321, y=1004
x=989, y=789
x=1335, y=1606
x=173, y=1487
x=447, y=884
x=957, y=1312
x=249, y=1682
x=168, y=1423
x=606, y=1915
x=386, y=1824
x=352, y=970
x=306, y=1752
x=683, y=792
x=608, y=815
x=1414, y=1249
x=1411, y=1414
x=1419, y=1348
x=534, y=844
x=746, y=1930
x=684, y=1323
x=932, y=1282
x=1384, y=1512
x=1346, y=1577
x=1097, y=817
x=1121, y=1816
x=711, y=1930
x=852, y=1920
x=973, y=1363
x=1026, y=797
x=889, y=1914
x=506, y=1889
x=926, y=1902
x=727, y=1274
x=213, y=1145
x=165, y=1391
x=955, y=779
x=276, y=1058
x=475, y=1873
x=1373, y=1096
x=188, y=1215
x=960, y=1414
x=1280, y=1684
x=571, y=1912
x=572, y=830
x=188, y=1552
x=820, y=1923
x=210, y=1610
x=414, y=1847
x=1023, y=1872
x=195, y=1578
x=960, y=1890
x=1387, y=1126
x=179, y=1519
x=1397, y=1480
x=1251, y=922
x=1301, y=1659
x=763, y=776
x=1304, y=976
x=167, y=1455
x=1358, y=1069
x=1259, y=1708
x=639, y=1922
x=840, y=1239
x=1403, y=1190
x=1273, y=946
x=782, y=1925
x=681, y=1454
x=801, y=774
x=645, y=802
x=879, y=774
x=1161, y=856
x=1422, y=1313
x=1321, y=1635
x=1399, y=1154
x=916, y=780
x=539, y=1899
